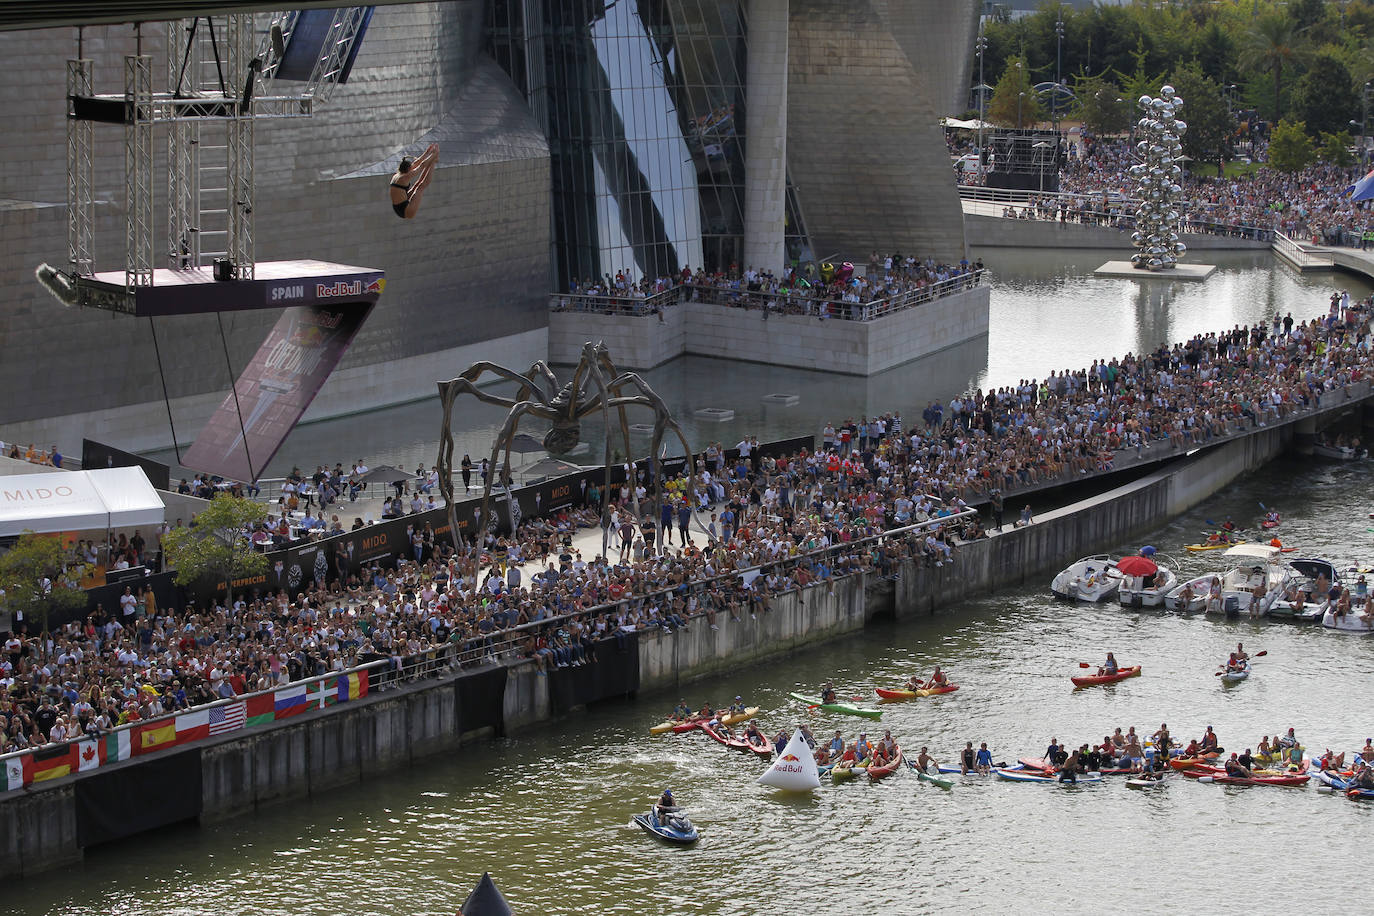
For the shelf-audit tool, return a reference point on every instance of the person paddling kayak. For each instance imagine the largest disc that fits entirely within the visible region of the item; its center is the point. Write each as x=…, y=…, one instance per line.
x=924, y=761
x=682, y=710
x=1109, y=667
x=938, y=679
x=1235, y=768
x=828, y=693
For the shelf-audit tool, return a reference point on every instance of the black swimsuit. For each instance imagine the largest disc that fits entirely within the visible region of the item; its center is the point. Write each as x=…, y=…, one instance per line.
x=400, y=208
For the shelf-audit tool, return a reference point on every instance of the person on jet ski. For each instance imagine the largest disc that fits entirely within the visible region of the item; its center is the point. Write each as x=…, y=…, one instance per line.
x=665, y=803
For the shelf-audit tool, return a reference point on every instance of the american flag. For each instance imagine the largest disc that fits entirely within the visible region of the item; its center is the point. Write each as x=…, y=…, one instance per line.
x=228, y=718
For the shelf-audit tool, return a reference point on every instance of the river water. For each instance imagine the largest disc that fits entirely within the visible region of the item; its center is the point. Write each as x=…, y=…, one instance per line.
x=548, y=813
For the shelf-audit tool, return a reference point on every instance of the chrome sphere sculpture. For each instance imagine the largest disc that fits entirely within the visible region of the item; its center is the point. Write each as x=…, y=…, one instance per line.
x=1157, y=178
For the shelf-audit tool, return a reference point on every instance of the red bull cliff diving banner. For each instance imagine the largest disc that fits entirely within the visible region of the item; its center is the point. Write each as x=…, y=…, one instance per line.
x=283, y=377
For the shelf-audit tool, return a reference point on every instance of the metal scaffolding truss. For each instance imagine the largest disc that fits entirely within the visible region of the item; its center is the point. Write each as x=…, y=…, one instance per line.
x=220, y=82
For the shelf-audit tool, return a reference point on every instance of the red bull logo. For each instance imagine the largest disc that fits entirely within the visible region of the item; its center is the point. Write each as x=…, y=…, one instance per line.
x=376, y=286
x=790, y=757
x=338, y=288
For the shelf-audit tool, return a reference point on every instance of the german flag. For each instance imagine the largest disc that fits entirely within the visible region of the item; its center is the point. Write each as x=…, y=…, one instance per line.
x=53, y=762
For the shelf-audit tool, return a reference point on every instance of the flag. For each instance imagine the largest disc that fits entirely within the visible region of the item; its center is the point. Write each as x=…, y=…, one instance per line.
x=15, y=771
x=352, y=686
x=89, y=754
x=323, y=693
x=224, y=719
x=52, y=762
x=290, y=701
x=260, y=709
x=192, y=726
x=117, y=745
x=155, y=736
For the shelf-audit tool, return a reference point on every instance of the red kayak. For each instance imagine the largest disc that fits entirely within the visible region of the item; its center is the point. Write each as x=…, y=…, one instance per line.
x=738, y=744
x=1092, y=680
x=760, y=747
x=688, y=725
x=1269, y=524
x=876, y=773
x=1300, y=780
x=904, y=694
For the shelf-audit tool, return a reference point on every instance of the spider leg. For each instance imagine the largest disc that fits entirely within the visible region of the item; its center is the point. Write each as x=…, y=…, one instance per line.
x=663, y=421
x=504, y=437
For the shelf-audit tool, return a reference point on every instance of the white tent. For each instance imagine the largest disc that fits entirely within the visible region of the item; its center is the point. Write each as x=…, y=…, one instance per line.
x=78, y=501
x=970, y=124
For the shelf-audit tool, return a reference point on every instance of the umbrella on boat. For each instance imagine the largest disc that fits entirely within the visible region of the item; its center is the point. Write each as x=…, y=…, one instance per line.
x=1137, y=566
x=485, y=900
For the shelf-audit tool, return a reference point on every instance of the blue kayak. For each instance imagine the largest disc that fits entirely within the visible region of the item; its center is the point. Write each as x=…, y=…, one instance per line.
x=676, y=828
x=1235, y=677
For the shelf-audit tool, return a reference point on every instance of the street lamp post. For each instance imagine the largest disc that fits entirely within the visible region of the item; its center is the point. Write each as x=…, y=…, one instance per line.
x=981, y=45
x=1364, y=124
x=1020, y=97
x=1058, y=60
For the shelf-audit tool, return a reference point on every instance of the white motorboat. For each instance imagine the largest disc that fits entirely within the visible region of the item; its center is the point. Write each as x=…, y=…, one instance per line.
x=1150, y=588
x=1303, y=600
x=1338, y=452
x=1090, y=579
x=1355, y=622
x=1257, y=577
x=1191, y=596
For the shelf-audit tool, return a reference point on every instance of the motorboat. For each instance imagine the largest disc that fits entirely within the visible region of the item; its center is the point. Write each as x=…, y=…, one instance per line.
x=1338, y=452
x=1353, y=622
x=1302, y=600
x=668, y=823
x=1090, y=579
x=1142, y=586
x=1191, y=596
x=1255, y=579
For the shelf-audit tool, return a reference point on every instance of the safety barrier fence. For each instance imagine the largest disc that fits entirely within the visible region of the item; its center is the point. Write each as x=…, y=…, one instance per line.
x=800, y=301
x=1089, y=209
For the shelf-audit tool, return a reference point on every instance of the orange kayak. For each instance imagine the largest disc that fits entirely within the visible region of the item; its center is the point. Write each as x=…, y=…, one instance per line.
x=1092, y=680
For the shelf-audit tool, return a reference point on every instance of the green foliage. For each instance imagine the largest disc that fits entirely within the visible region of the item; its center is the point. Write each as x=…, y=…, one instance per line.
x=215, y=545
x=1324, y=98
x=1215, y=52
x=1101, y=106
x=23, y=569
x=1140, y=81
x=1210, y=125
x=1290, y=149
x=1014, y=102
x=1272, y=44
x=1335, y=149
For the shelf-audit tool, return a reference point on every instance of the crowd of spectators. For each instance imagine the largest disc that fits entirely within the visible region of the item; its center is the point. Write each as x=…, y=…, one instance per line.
x=827, y=291
x=51, y=458
x=763, y=526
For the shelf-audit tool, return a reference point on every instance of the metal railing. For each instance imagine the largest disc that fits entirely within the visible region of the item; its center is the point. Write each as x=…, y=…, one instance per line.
x=793, y=302
x=1294, y=252
x=1087, y=209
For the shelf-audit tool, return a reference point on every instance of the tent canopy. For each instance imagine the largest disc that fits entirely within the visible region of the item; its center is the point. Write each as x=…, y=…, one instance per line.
x=970, y=124
x=78, y=501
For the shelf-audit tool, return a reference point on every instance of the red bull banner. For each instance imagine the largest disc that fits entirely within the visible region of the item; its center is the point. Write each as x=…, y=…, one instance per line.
x=279, y=383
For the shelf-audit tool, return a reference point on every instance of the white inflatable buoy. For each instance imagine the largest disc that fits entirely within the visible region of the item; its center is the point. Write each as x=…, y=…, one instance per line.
x=795, y=768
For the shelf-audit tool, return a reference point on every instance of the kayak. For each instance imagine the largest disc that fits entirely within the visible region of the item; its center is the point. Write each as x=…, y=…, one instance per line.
x=667, y=726
x=934, y=780
x=1092, y=680
x=734, y=718
x=1024, y=776
x=1269, y=524
x=760, y=747
x=1235, y=677
x=887, y=694
x=1199, y=548
x=839, y=773
x=1299, y=780
x=675, y=829
x=879, y=772
x=738, y=744
x=1189, y=763
x=1359, y=794
x=1041, y=766
x=1144, y=783
x=945, y=768
x=838, y=707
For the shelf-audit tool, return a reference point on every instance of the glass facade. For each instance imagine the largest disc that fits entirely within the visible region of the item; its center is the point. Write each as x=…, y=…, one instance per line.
x=643, y=102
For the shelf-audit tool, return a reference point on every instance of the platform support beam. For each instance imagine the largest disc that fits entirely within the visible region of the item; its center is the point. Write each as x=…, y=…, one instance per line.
x=239, y=139
x=80, y=172
x=138, y=170
x=183, y=137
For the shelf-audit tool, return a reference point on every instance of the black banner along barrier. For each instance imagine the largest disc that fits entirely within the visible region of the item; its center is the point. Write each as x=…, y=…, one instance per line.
x=481, y=699
x=615, y=673
x=149, y=793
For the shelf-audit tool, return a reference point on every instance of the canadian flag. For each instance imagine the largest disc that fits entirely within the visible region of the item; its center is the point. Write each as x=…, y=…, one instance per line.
x=88, y=754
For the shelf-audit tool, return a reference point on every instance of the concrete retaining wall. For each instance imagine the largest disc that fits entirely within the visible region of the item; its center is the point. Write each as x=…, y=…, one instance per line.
x=847, y=347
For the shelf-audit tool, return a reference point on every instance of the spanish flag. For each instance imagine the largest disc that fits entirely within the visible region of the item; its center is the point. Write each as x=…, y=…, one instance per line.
x=155, y=736
x=53, y=762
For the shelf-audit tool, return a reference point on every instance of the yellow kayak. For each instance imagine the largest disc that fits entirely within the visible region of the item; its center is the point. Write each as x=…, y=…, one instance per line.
x=839, y=773
x=671, y=725
x=1198, y=548
x=738, y=717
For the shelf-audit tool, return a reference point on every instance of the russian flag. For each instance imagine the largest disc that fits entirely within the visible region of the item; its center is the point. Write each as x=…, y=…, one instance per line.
x=290, y=701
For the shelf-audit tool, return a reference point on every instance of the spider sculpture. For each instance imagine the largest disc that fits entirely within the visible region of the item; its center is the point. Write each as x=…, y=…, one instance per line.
x=596, y=385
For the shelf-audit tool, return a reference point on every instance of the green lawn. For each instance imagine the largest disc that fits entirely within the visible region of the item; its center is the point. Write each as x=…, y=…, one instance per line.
x=1237, y=169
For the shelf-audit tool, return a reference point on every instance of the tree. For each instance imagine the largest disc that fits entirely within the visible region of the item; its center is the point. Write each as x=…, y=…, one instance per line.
x=1324, y=97
x=215, y=545
x=1101, y=106
x=1335, y=149
x=1215, y=51
x=32, y=581
x=1014, y=102
x=1272, y=44
x=1290, y=149
x=1210, y=125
